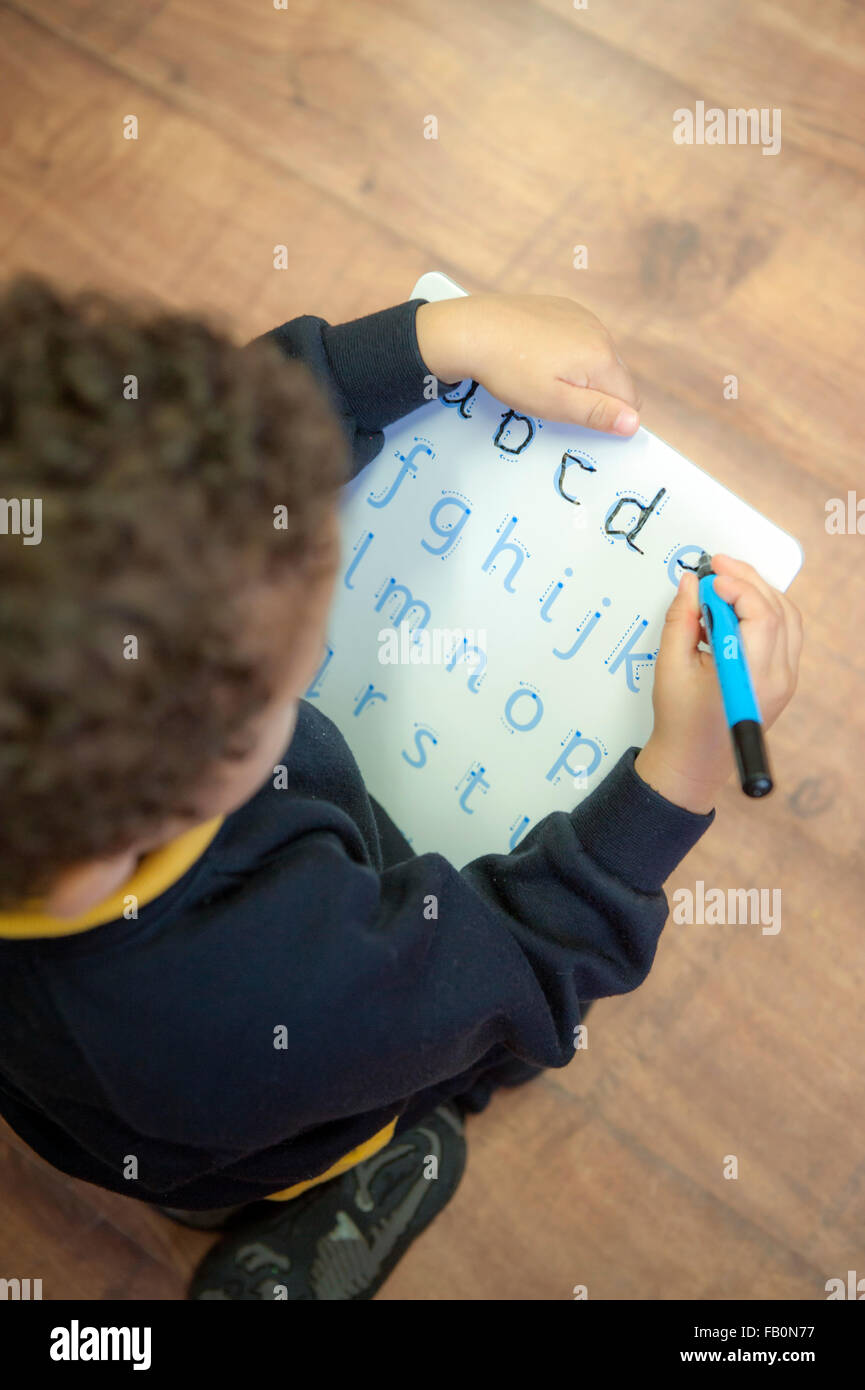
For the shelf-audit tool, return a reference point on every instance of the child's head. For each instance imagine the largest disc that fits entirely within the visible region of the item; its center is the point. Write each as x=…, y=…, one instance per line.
x=158, y=626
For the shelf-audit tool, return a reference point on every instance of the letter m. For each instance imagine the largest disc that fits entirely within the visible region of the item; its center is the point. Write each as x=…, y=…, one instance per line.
x=743, y=905
x=409, y=603
x=747, y=126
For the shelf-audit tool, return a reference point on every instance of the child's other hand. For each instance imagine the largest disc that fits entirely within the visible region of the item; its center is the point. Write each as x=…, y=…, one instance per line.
x=689, y=756
x=540, y=354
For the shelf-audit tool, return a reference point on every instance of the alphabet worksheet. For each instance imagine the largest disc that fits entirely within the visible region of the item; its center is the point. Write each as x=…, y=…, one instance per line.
x=499, y=607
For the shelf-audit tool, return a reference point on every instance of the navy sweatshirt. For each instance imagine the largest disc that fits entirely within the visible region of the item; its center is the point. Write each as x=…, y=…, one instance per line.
x=141, y=1054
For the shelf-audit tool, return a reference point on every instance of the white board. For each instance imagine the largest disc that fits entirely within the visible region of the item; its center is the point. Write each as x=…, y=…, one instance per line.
x=542, y=615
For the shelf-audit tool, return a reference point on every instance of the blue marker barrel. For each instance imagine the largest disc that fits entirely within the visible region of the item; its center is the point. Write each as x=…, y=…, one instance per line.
x=737, y=690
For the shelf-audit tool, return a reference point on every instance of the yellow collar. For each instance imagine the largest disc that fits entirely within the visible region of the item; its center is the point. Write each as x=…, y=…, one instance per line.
x=156, y=872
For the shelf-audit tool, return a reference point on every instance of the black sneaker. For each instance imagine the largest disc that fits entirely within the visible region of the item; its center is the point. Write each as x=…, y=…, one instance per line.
x=341, y=1240
x=213, y=1220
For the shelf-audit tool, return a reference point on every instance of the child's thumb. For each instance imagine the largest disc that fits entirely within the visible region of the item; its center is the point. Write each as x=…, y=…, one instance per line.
x=682, y=624
x=596, y=411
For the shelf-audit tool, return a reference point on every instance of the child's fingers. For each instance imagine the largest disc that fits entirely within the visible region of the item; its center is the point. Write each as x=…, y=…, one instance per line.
x=750, y=601
x=597, y=411
x=682, y=627
x=789, y=614
x=613, y=378
x=589, y=359
x=753, y=602
x=761, y=618
x=740, y=569
x=793, y=622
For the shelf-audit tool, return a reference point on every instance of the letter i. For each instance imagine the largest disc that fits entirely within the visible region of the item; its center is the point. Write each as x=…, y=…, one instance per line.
x=553, y=595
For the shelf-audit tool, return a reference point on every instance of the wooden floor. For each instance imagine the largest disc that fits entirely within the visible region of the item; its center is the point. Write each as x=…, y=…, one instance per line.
x=261, y=126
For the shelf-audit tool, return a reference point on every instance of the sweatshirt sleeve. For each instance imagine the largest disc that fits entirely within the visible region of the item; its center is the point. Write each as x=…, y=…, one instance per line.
x=397, y=980
x=370, y=368
x=449, y=963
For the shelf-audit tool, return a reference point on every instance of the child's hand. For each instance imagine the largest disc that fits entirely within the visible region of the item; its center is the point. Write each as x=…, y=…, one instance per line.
x=540, y=354
x=689, y=756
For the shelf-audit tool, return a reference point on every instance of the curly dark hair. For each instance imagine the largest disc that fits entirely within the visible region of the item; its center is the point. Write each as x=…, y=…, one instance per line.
x=158, y=521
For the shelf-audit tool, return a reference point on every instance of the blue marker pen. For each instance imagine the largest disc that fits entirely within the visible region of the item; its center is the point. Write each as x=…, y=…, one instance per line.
x=737, y=691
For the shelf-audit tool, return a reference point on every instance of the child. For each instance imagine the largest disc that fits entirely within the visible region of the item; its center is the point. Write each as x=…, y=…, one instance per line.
x=219, y=991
